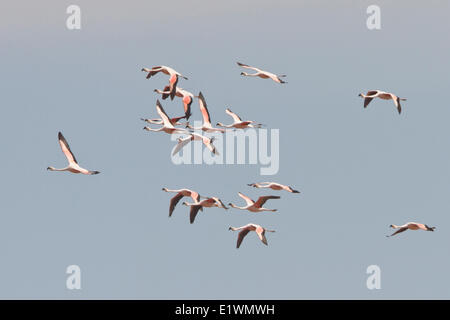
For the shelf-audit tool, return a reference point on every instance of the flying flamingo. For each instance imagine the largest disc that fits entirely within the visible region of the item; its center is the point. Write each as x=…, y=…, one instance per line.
x=208, y=142
x=382, y=95
x=73, y=164
x=206, y=117
x=207, y=203
x=273, y=186
x=253, y=206
x=238, y=123
x=180, y=193
x=167, y=124
x=173, y=121
x=173, y=77
x=260, y=231
x=410, y=226
x=261, y=73
x=186, y=96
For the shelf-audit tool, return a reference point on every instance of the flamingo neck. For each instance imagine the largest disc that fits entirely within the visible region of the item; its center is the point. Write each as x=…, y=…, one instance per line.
x=55, y=169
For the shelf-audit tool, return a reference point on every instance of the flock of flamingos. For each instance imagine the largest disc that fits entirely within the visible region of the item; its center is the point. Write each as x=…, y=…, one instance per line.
x=173, y=125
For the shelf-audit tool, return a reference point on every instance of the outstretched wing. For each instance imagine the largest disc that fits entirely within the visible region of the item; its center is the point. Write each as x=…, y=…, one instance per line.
x=66, y=149
x=163, y=115
x=176, y=119
x=398, y=231
x=195, y=196
x=174, y=201
x=219, y=203
x=247, y=199
x=204, y=108
x=261, y=234
x=165, y=93
x=187, y=101
x=367, y=100
x=180, y=145
x=241, y=237
x=397, y=103
x=233, y=115
x=261, y=200
x=193, y=212
x=152, y=72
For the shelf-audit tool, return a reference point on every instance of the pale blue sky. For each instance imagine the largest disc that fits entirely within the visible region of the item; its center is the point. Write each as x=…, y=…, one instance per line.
x=358, y=170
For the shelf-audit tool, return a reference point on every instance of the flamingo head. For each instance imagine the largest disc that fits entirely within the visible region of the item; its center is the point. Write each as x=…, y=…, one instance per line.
x=244, y=73
x=164, y=189
x=430, y=228
x=50, y=168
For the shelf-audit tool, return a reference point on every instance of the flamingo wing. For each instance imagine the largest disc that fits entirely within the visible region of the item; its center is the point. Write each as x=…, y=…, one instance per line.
x=153, y=71
x=193, y=212
x=195, y=196
x=187, y=101
x=247, y=199
x=398, y=231
x=219, y=203
x=174, y=201
x=163, y=115
x=176, y=119
x=204, y=108
x=208, y=143
x=66, y=149
x=180, y=145
x=233, y=115
x=261, y=234
x=261, y=200
x=173, y=85
x=397, y=103
x=241, y=237
x=165, y=93
x=368, y=99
